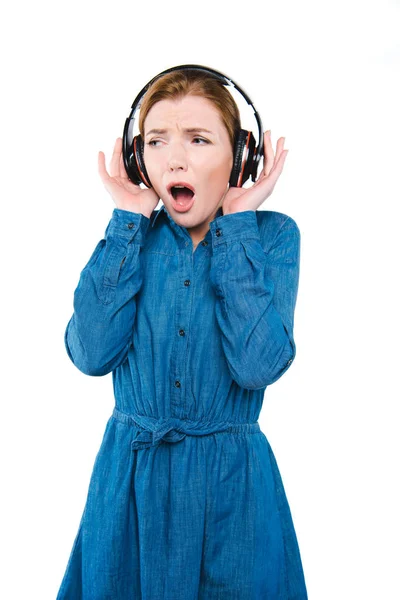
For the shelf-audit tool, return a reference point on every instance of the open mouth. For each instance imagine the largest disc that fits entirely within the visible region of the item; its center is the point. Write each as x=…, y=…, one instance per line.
x=181, y=194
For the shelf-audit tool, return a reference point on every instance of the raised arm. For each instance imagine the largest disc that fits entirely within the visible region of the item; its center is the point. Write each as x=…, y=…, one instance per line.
x=256, y=282
x=99, y=333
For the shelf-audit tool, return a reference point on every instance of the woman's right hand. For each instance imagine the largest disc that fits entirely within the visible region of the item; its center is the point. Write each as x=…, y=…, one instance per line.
x=126, y=194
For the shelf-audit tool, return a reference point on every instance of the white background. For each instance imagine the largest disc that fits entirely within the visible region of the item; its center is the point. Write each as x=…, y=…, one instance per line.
x=325, y=76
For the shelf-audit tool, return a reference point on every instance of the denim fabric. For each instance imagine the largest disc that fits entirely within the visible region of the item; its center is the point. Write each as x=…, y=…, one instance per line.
x=186, y=500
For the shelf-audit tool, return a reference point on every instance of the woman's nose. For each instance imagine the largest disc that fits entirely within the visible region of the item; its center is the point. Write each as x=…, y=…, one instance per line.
x=177, y=158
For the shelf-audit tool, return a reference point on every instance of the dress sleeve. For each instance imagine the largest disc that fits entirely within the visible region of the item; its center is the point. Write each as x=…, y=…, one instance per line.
x=256, y=283
x=100, y=331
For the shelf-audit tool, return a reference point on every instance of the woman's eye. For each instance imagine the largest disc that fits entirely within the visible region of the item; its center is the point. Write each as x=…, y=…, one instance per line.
x=154, y=142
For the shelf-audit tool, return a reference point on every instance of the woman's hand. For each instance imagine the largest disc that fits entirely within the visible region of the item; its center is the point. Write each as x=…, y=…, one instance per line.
x=241, y=199
x=122, y=190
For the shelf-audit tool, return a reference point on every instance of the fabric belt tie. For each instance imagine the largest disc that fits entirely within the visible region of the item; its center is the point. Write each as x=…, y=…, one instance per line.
x=152, y=431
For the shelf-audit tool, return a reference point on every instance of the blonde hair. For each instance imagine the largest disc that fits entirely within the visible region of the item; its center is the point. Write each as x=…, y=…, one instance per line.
x=189, y=82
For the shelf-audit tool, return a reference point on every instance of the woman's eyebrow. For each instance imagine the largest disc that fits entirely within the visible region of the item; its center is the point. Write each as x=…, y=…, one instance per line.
x=187, y=130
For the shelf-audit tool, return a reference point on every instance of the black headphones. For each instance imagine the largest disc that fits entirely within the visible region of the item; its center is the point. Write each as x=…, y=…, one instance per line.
x=246, y=156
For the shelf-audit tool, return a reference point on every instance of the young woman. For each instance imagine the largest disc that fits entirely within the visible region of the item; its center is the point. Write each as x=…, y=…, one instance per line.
x=191, y=308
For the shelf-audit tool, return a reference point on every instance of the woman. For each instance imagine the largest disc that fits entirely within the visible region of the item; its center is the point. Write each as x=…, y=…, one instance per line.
x=191, y=308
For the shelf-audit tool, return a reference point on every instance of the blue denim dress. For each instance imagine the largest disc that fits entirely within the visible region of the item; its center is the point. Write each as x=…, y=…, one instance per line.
x=185, y=500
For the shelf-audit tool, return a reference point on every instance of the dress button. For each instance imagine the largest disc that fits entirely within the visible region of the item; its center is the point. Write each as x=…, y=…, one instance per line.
x=177, y=383
x=187, y=282
x=218, y=232
x=131, y=225
x=181, y=332
x=204, y=243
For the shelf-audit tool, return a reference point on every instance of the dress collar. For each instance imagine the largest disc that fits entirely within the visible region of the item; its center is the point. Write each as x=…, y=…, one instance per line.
x=164, y=211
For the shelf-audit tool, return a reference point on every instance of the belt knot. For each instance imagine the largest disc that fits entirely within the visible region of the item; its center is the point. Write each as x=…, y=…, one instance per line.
x=161, y=430
x=151, y=431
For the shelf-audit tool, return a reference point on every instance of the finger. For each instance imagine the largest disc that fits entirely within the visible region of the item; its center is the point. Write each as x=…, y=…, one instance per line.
x=279, y=152
x=122, y=170
x=268, y=154
x=259, y=178
x=273, y=159
x=278, y=168
x=101, y=165
x=115, y=162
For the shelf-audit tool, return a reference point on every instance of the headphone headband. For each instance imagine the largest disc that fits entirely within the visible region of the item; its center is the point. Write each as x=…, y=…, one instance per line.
x=245, y=163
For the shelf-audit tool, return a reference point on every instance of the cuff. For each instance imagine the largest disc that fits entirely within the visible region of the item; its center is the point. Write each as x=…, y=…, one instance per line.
x=234, y=227
x=130, y=225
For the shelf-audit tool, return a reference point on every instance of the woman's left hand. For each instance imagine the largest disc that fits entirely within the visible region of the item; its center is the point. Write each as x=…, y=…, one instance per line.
x=240, y=199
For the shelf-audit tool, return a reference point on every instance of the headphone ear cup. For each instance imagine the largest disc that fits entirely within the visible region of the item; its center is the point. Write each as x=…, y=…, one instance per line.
x=243, y=158
x=138, y=153
x=133, y=159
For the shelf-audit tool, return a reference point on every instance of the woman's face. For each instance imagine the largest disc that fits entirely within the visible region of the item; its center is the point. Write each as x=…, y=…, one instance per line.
x=200, y=159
